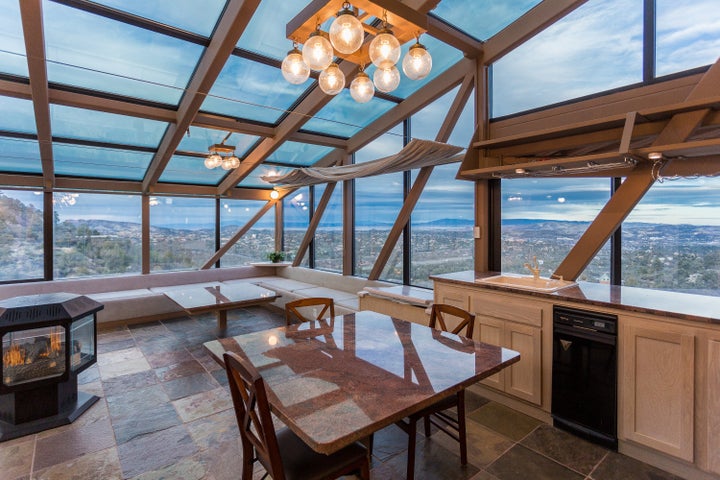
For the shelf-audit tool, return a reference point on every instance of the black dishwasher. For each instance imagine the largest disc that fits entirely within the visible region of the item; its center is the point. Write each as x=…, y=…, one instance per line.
x=584, y=374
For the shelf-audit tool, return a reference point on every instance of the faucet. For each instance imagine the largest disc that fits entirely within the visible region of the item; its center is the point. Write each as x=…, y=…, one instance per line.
x=534, y=268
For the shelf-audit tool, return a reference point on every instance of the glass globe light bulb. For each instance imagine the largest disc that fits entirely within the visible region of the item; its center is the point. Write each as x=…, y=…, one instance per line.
x=417, y=62
x=346, y=31
x=228, y=163
x=294, y=68
x=387, y=78
x=213, y=160
x=317, y=51
x=384, y=48
x=361, y=88
x=332, y=80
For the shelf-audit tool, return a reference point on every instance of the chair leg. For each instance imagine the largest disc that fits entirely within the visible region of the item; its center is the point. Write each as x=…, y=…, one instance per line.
x=247, y=464
x=412, y=431
x=365, y=470
x=426, y=418
x=462, y=433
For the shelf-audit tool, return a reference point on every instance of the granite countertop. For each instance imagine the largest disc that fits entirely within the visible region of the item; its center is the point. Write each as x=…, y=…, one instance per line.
x=685, y=306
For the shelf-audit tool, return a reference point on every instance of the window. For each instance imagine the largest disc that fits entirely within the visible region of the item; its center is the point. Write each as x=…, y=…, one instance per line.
x=670, y=240
x=296, y=218
x=328, y=237
x=182, y=232
x=544, y=218
x=595, y=48
x=256, y=243
x=21, y=235
x=96, y=234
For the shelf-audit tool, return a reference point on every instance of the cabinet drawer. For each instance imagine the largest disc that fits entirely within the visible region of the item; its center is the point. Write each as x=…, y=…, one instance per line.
x=509, y=308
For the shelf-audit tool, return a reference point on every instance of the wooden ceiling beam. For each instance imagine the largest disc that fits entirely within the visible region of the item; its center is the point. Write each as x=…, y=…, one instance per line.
x=231, y=25
x=33, y=32
x=527, y=26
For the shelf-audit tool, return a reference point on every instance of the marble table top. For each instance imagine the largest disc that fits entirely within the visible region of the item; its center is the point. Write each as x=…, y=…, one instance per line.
x=337, y=381
x=220, y=296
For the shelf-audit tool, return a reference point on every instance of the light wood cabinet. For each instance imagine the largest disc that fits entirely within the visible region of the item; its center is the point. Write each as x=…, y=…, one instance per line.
x=709, y=416
x=657, y=385
x=453, y=295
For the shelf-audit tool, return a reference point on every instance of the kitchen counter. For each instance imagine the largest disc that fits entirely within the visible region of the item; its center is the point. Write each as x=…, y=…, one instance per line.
x=685, y=306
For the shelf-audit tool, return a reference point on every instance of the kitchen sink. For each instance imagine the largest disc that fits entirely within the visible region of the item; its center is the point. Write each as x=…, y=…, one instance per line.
x=527, y=282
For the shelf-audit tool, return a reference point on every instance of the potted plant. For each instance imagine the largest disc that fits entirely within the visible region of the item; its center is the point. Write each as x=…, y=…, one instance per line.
x=276, y=257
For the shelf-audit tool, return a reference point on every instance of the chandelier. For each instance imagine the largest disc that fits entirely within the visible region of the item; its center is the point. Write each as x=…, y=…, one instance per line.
x=346, y=39
x=215, y=159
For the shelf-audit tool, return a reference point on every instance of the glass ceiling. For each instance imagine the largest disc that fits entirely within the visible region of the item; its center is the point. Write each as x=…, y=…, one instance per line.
x=18, y=155
x=17, y=115
x=191, y=170
x=199, y=139
x=298, y=154
x=485, y=18
x=12, y=44
x=97, y=162
x=344, y=117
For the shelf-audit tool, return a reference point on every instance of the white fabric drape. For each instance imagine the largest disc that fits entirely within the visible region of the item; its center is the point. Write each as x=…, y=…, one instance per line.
x=416, y=154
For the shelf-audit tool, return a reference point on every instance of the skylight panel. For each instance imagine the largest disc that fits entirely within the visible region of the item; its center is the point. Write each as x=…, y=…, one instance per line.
x=191, y=170
x=266, y=33
x=18, y=155
x=97, y=162
x=344, y=117
x=252, y=91
x=199, y=139
x=189, y=15
x=299, y=154
x=83, y=124
x=12, y=44
x=484, y=18
x=90, y=51
x=17, y=115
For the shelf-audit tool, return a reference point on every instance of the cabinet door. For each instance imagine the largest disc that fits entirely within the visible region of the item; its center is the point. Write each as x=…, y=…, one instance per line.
x=659, y=390
x=713, y=405
x=455, y=296
x=491, y=330
x=524, y=379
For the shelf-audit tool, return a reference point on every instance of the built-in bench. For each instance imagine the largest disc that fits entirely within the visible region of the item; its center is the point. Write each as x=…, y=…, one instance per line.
x=400, y=301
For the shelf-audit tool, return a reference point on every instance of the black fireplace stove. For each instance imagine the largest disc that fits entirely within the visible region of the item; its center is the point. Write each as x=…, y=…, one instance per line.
x=45, y=342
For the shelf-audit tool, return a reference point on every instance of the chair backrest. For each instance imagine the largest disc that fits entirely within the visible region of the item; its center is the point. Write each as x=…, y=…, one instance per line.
x=252, y=411
x=320, y=307
x=438, y=320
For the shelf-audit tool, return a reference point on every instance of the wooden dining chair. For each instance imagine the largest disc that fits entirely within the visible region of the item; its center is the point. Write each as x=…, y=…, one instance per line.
x=320, y=307
x=437, y=414
x=283, y=454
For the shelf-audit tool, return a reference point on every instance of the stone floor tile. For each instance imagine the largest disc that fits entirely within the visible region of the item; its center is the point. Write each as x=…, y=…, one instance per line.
x=432, y=462
x=72, y=443
x=140, y=412
x=96, y=413
x=484, y=476
x=186, y=469
x=116, y=345
x=520, y=463
x=473, y=401
x=207, y=432
x=122, y=362
x=149, y=329
x=505, y=420
x=115, y=334
x=103, y=465
x=619, y=467
x=565, y=448
x=16, y=457
x=484, y=445
x=125, y=383
x=177, y=370
x=190, y=385
x=224, y=461
x=89, y=375
x=156, y=450
x=163, y=359
x=203, y=404
x=389, y=442
x=220, y=376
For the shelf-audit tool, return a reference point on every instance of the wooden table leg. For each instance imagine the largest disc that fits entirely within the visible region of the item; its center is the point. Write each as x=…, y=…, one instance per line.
x=222, y=320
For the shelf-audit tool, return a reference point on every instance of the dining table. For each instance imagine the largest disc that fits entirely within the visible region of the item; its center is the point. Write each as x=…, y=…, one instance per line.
x=336, y=381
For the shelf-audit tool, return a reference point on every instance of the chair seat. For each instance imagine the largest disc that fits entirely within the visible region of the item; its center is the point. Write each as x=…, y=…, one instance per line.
x=300, y=462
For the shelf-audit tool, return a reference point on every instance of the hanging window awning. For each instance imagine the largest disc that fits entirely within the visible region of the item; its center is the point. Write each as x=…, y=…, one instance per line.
x=416, y=154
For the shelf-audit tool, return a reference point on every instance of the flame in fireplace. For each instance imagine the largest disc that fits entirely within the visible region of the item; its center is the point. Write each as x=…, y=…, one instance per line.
x=53, y=347
x=14, y=356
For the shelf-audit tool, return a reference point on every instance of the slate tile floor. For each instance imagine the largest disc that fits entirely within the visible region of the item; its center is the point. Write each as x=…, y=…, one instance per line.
x=165, y=413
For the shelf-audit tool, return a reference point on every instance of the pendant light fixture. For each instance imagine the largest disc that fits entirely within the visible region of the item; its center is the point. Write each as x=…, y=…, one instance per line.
x=332, y=80
x=294, y=68
x=362, y=88
x=417, y=62
x=387, y=79
x=214, y=159
x=346, y=31
x=317, y=51
x=384, y=48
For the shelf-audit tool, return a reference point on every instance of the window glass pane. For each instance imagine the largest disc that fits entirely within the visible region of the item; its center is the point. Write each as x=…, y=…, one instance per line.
x=378, y=200
x=199, y=140
x=595, y=48
x=17, y=115
x=21, y=235
x=257, y=242
x=190, y=15
x=18, y=155
x=296, y=218
x=266, y=33
x=687, y=33
x=344, y=117
x=192, y=170
x=143, y=64
x=443, y=219
x=300, y=154
x=80, y=123
x=182, y=233
x=97, y=162
x=251, y=90
x=485, y=18
x=544, y=218
x=253, y=180
x=328, y=236
x=12, y=49
x=96, y=234
x=670, y=239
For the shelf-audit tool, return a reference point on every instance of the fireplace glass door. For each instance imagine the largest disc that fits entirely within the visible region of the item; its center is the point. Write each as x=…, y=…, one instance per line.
x=33, y=354
x=82, y=335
